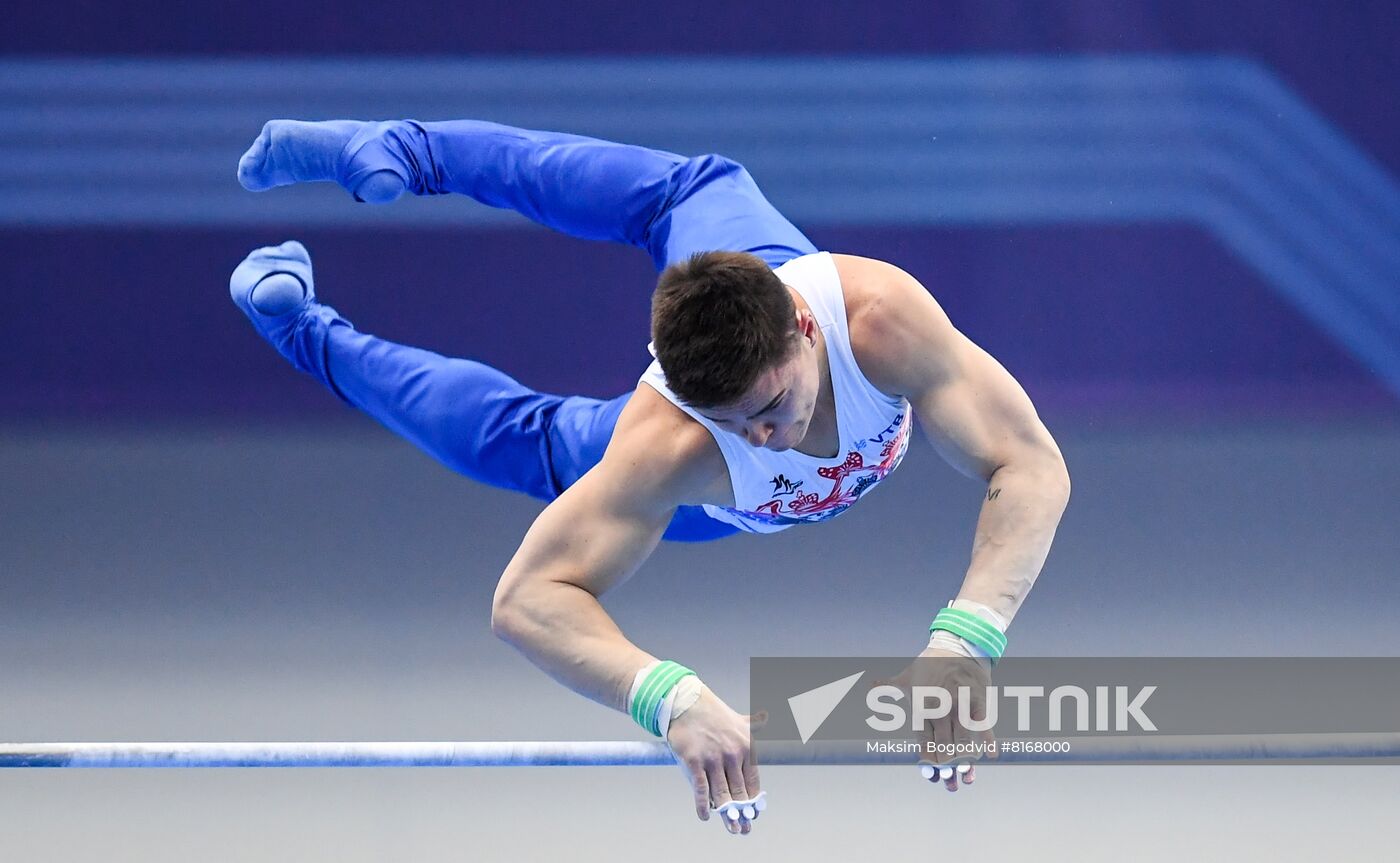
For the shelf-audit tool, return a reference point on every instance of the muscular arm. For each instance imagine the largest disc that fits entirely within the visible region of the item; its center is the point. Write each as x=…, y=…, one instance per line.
x=595, y=536
x=978, y=418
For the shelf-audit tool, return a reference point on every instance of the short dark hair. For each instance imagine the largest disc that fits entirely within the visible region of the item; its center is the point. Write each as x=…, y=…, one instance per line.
x=718, y=321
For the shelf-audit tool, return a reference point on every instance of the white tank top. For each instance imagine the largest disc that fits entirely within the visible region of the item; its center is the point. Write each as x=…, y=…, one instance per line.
x=775, y=490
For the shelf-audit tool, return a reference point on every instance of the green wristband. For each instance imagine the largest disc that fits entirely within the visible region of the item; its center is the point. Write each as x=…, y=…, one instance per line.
x=646, y=706
x=984, y=635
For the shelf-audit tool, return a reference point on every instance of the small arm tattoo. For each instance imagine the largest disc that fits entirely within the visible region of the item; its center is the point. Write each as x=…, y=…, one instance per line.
x=993, y=493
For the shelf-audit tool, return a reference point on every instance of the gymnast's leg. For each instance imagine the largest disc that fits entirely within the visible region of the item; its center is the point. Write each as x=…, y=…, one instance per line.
x=669, y=205
x=473, y=418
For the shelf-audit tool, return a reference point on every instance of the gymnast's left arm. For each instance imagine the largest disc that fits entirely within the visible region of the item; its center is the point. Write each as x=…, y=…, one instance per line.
x=979, y=419
x=982, y=422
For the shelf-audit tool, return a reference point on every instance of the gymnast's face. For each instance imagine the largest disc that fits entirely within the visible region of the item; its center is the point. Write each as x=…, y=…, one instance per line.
x=777, y=410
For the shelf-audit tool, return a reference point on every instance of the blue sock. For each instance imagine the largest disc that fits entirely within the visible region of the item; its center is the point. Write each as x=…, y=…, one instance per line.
x=294, y=151
x=275, y=289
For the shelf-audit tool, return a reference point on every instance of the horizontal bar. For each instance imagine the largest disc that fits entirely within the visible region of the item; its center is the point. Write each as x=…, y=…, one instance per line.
x=1098, y=750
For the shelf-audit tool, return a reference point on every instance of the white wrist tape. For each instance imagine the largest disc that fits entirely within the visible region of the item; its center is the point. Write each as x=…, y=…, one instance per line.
x=637, y=681
x=681, y=698
x=943, y=640
x=985, y=612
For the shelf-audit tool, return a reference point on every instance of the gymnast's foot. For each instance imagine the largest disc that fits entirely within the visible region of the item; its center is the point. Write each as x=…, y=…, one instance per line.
x=274, y=288
x=293, y=151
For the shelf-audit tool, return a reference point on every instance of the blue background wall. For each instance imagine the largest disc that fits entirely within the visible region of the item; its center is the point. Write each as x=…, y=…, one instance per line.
x=1096, y=301
x=196, y=543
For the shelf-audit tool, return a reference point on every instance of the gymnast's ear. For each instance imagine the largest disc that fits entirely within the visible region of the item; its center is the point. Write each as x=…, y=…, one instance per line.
x=807, y=326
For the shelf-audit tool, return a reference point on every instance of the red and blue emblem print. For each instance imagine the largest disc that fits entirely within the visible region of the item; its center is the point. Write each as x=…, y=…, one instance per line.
x=841, y=485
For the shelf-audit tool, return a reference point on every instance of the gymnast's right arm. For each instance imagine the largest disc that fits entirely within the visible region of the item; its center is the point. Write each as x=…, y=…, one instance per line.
x=595, y=535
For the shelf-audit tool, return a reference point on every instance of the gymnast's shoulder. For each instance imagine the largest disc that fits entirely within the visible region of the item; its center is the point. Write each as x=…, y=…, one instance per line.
x=659, y=441
x=896, y=326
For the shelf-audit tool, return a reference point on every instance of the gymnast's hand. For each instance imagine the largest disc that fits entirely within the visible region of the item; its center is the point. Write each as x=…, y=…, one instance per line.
x=949, y=747
x=713, y=744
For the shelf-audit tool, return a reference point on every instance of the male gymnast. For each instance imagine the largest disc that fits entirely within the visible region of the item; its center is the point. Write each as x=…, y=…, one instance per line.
x=782, y=393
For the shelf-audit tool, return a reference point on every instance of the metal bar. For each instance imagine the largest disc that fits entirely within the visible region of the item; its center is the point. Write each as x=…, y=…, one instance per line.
x=1097, y=750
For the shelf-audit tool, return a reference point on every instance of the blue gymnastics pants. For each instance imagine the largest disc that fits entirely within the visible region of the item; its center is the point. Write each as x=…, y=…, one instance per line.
x=474, y=418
